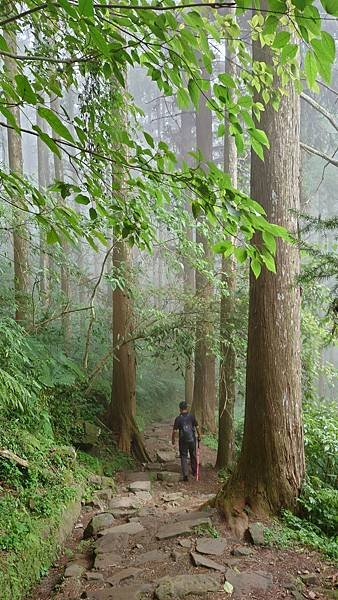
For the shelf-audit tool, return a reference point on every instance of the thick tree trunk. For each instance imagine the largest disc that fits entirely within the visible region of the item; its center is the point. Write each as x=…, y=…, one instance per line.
x=123, y=402
x=204, y=399
x=64, y=271
x=20, y=233
x=271, y=466
x=227, y=368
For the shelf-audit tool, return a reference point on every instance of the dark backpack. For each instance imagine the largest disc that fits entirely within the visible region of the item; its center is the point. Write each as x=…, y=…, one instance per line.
x=187, y=430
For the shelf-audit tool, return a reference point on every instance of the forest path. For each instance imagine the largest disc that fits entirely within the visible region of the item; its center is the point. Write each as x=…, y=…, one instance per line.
x=153, y=540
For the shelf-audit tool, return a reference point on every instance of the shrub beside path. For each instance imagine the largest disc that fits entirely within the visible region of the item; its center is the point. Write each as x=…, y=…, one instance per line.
x=155, y=538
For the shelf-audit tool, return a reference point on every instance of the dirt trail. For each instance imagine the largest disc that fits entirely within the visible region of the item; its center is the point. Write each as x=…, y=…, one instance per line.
x=153, y=540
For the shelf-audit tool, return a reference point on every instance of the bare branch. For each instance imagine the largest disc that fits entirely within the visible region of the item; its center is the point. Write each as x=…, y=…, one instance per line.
x=320, y=109
x=316, y=152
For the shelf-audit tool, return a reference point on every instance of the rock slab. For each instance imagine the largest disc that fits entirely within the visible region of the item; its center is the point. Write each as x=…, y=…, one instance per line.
x=99, y=522
x=215, y=547
x=123, y=575
x=247, y=581
x=111, y=542
x=256, y=533
x=74, y=570
x=202, y=561
x=170, y=588
x=129, y=528
x=180, y=528
x=140, y=486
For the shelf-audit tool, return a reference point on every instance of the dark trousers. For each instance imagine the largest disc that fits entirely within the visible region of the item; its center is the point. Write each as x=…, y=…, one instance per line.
x=185, y=449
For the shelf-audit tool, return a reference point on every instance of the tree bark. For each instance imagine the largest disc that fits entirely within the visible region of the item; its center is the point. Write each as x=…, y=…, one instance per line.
x=123, y=401
x=186, y=145
x=64, y=271
x=43, y=181
x=20, y=233
x=271, y=465
x=227, y=368
x=204, y=398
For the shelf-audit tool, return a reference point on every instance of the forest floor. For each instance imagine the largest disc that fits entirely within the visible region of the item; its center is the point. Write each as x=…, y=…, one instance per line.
x=144, y=541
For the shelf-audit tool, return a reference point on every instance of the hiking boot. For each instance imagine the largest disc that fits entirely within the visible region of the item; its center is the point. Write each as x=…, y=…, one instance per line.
x=186, y=478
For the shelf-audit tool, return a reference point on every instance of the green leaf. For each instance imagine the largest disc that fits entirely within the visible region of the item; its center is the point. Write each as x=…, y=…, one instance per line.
x=92, y=213
x=269, y=262
x=3, y=44
x=10, y=117
x=55, y=123
x=256, y=267
x=241, y=254
x=310, y=68
x=52, y=236
x=24, y=89
x=282, y=38
x=270, y=242
x=183, y=98
x=86, y=8
x=149, y=139
x=256, y=146
x=329, y=46
x=331, y=7
x=194, y=92
x=289, y=52
x=222, y=247
x=82, y=199
x=227, y=80
x=48, y=141
x=260, y=136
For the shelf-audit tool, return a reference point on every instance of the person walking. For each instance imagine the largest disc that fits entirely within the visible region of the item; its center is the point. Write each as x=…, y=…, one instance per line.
x=187, y=428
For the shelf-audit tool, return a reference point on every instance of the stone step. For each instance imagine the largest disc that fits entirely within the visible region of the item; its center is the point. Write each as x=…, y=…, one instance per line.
x=181, y=528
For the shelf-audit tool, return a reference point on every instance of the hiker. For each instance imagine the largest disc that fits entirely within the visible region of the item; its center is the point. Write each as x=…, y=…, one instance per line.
x=186, y=425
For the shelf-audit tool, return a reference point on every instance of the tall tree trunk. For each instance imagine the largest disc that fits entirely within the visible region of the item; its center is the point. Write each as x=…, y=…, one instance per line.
x=123, y=402
x=43, y=181
x=227, y=368
x=64, y=271
x=20, y=233
x=187, y=144
x=204, y=400
x=271, y=466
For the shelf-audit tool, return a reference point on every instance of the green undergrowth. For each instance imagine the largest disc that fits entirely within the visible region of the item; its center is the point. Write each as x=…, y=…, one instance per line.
x=294, y=531
x=42, y=411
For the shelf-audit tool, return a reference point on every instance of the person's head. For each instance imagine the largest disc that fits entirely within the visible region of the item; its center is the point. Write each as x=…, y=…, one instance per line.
x=183, y=407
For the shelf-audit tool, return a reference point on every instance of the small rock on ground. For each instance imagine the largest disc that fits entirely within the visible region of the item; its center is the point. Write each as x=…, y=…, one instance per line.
x=168, y=476
x=74, y=570
x=165, y=456
x=256, y=533
x=203, y=561
x=97, y=523
x=214, y=547
x=111, y=542
x=242, y=551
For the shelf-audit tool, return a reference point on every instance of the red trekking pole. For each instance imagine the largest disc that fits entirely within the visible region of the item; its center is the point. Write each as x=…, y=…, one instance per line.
x=198, y=461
